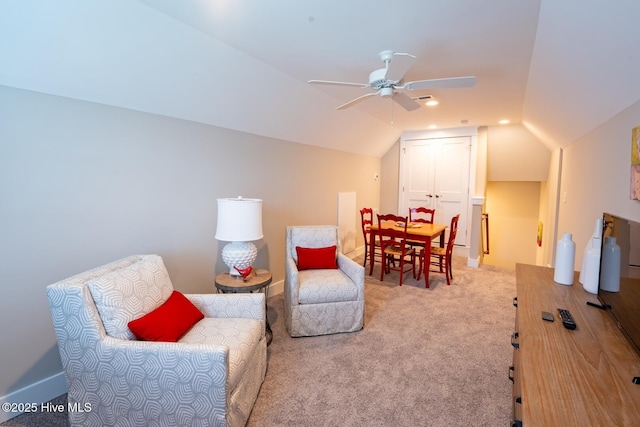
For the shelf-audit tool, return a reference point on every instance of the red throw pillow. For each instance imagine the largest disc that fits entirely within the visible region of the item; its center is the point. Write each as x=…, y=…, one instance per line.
x=168, y=322
x=310, y=258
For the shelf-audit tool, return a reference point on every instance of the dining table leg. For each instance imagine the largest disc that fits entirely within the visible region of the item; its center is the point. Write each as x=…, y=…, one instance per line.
x=427, y=261
x=372, y=256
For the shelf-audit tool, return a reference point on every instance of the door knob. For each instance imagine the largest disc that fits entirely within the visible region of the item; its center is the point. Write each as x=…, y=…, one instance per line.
x=430, y=195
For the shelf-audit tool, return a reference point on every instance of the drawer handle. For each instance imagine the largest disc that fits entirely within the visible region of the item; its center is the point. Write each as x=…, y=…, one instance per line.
x=514, y=340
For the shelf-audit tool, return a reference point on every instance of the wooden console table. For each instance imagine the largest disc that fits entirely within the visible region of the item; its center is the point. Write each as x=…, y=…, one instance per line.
x=562, y=377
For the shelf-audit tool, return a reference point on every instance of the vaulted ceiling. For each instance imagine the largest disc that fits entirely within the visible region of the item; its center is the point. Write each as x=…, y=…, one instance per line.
x=560, y=68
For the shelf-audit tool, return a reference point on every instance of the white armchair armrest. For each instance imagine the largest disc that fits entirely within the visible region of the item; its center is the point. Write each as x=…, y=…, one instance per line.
x=250, y=306
x=353, y=270
x=291, y=280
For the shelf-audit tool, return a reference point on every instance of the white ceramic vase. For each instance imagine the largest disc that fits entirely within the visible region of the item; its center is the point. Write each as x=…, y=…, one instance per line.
x=591, y=261
x=610, y=268
x=565, y=258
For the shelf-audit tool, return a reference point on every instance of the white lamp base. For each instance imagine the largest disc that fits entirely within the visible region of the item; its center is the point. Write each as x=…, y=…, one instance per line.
x=240, y=255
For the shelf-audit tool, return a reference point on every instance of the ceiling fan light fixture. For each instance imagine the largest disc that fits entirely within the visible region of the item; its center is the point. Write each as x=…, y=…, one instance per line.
x=386, y=91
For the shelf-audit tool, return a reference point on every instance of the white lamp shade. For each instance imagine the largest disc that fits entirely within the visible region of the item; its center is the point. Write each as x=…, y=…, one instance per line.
x=239, y=220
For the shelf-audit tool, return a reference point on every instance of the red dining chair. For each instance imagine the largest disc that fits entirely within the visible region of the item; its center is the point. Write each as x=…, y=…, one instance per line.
x=366, y=216
x=393, y=244
x=420, y=215
x=441, y=257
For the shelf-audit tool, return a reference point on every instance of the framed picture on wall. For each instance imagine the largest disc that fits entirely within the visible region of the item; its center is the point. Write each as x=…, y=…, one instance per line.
x=634, y=194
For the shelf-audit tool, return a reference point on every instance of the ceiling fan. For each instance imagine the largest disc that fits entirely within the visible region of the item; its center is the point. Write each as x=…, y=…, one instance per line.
x=389, y=81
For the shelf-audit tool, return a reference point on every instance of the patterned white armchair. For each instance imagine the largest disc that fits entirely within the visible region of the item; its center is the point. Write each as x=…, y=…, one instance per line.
x=210, y=377
x=320, y=300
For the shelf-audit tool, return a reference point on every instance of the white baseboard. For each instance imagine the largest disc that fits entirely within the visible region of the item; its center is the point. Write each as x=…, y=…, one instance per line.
x=356, y=252
x=276, y=288
x=32, y=396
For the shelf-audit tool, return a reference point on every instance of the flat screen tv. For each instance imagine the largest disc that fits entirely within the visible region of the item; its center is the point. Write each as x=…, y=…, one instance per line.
x=624, y=304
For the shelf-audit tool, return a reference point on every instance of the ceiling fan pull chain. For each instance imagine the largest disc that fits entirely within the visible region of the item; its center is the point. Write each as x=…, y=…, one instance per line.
x=391, y=111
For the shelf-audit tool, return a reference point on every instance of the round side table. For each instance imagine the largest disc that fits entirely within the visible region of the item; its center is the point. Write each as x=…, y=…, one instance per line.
x=259, y=280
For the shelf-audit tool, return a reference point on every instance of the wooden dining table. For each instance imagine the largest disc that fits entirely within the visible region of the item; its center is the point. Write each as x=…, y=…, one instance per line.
x=415, y=231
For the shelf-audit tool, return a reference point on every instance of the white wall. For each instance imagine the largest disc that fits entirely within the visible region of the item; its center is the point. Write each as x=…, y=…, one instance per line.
x=595, y=178
x=82, y=184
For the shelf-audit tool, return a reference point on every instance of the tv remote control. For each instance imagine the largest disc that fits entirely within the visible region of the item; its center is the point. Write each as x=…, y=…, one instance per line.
x=567, y=319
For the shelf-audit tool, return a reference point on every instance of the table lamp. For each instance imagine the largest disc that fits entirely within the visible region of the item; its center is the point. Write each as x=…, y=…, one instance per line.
x=239, y=222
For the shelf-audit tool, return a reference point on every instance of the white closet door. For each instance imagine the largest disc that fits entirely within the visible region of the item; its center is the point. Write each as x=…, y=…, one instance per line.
x=419, y=175
x=435, y=174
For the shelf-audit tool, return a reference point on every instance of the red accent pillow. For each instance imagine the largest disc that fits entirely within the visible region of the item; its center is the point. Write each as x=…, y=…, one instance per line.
x=168, y=322
x=312, y=258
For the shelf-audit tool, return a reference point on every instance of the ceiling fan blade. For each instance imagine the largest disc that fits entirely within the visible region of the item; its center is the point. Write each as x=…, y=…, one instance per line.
x=405, y=101
x=399, y=65
x=355, y=101
x=329, y=82
x=451, y=82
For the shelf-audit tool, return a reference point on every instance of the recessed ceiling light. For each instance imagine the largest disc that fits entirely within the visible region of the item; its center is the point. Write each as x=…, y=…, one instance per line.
x=504, y=122
x=427, y=99
x=433, y=127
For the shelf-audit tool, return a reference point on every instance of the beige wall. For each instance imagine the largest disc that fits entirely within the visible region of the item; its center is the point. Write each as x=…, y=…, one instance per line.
x=549, y=199
x=83, y=184
x=390, y=179
x=501, y=152
x=595, y=178
x=515, y=154
x=593, y=173
x=481, y=165
x=513, y=222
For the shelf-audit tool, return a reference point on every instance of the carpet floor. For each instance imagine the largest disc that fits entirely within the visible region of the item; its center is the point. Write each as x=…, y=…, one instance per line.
x=426, y=357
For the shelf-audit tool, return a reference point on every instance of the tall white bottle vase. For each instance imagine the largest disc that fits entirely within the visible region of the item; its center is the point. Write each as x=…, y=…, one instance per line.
x=592, y=257
x=610, y=273
x=591, y=260
x=565, y=258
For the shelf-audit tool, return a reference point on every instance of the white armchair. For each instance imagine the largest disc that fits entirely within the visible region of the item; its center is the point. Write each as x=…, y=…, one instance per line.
x=320, y=301
x=210, y=377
